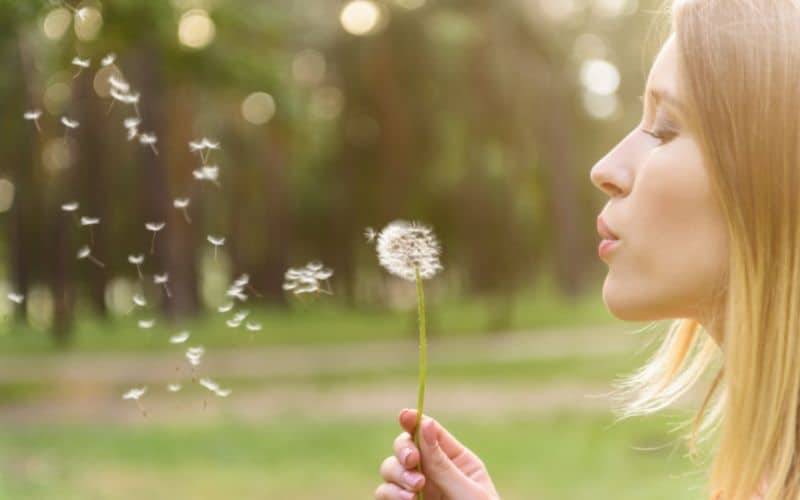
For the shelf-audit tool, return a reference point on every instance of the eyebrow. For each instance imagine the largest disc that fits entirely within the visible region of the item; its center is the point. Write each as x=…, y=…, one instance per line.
x=659, y=95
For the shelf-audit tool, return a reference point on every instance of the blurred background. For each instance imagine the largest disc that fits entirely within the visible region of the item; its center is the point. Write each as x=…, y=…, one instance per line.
x=121, y=229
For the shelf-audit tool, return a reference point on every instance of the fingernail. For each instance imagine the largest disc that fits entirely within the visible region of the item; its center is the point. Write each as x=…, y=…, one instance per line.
x=429, y=432
x=403, y=413
x=404, y=455
x=412, y=479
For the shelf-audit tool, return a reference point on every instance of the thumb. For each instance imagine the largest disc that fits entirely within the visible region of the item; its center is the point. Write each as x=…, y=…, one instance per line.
x=437, y=466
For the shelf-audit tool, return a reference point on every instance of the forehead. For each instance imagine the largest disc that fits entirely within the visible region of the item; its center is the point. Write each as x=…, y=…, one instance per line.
x=664, y=72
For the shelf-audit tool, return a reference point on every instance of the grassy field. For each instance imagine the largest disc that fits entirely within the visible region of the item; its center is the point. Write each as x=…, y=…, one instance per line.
x=563, y=456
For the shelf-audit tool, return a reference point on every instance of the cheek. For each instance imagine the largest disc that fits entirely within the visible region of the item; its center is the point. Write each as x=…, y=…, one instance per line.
x=673, y=251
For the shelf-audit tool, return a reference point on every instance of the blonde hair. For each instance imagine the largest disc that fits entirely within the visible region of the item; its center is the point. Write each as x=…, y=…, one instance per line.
x=739, y=65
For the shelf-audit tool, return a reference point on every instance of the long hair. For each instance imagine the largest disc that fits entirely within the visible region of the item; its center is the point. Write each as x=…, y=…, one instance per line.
x=739, y=72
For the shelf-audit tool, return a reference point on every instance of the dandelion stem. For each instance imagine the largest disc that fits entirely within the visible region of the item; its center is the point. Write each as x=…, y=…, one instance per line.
x=153, y=244
x=186, y=216
x=139, y=270
x=38, y=128
x=166, y=290
x=422, y=353
x=96, y=261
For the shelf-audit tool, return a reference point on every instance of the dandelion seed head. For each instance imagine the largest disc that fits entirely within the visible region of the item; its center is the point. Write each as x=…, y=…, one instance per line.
x=146, y=323
x=84, y=252
x=136, y=259
x=69, y=123
x=16, y=298
x=181, y=202
x=108, y=59
x=70, y=207
x=33, y=114
x=179, y=338
x=174, y=387
x=135, y=393
x=83, y=63
x=155, y=226
x=404, y=247
x=217, y=241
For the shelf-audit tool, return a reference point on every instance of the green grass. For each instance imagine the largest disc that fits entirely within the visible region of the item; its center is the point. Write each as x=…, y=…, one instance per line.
x=318, y=322
x=563, y=457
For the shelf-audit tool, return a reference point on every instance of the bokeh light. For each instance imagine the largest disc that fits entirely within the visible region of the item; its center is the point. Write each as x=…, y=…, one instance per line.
x=589, y=46
x=58, y=153
x=360, y=17
x=326, y=102
x=196, y=29
x=56, y=23
x=558, y=10
x=600, y=76
x=308, y=67
x=258, y=108
x=410, y=4
x=39, y=303
x=615, y=8
x=56, y=97
x=601, y=107
x=119, y=295
x=87, y=26
x=101, y=85
x=6, y=195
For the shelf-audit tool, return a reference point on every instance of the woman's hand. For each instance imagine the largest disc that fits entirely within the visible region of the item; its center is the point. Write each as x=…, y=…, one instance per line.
x=450, y=471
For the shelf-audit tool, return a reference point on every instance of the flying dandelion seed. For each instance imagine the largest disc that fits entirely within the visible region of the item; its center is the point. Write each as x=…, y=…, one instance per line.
x=226, y=308
x=70, y=207
x=182, y=204
x=232, y=323
x=83, y=13
x=217, y=241
x=146, y=324
x=223, y=393
x=149, y=139
x=236, y=293
x=90, y=222
x=207, y=173
x=68, y=124
x=253, y=327
x=132, y=126
x=85, y=252
x=135, y=394
x=307, y=279
x=244, y=281
x=81, y=64
x=214, y=387
x=137, y=260
x=119, y=84
x=16, y=298
x=411, y=251
x=370, y=234
x=154, y=227
x=179, y=338
x=33, y=116
x=162, y=279
x=204, y=147
x=108, y=60
x=139, y=300
x=193, y=355
x=174, y=387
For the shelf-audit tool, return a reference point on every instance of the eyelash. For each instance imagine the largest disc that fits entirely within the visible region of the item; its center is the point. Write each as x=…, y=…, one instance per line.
x=662, y=135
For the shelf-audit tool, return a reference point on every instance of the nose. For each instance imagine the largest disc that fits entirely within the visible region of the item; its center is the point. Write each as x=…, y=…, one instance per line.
x=603, y=179
x=612, y=173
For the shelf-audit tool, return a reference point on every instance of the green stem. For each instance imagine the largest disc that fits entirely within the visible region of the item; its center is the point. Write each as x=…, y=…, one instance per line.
x=422, y=351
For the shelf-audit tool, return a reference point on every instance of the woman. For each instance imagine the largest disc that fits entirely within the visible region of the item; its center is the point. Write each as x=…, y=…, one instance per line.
x=704, y=199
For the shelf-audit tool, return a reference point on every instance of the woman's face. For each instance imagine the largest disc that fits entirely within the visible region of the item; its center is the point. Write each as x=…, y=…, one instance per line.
x=673, y=243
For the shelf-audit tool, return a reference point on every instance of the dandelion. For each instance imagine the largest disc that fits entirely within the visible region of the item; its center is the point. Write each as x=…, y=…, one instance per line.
x=33, y=116
x=135, y=394
x=207, y=173
x=174, y=387
x=204, y=147
x=411, y=251
x=16, y=298
x=137, y=260
x=370, y=234
x=85, y=252
x=179, y=338
x=226, y=308
x=307, y=279
x=162, y=279
x=81, y=64
x=155, y=227
x=217, y=241
x=108, y=60
x=146, y=324
x=182, y=204
x=149, y=139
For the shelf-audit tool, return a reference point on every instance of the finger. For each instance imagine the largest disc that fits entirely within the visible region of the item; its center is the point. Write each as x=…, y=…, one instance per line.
x=405, y=450
x=438, y=467
x=393, y=472
x=390, y=491
x=449, y=444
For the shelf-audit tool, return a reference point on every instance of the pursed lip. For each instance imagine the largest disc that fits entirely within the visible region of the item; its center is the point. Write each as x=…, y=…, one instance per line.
x=604, y=231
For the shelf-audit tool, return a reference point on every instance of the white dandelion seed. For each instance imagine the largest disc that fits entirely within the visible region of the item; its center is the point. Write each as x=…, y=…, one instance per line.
x=225, y=308
x=253, y=327
x=232, y=323
x=69, y=124
x=139, y=300
x=163, y=279
x=204, y=147
x=370, y=234
x=70, y=206
x=154, y=227
x=16, y=298
x=194, y=354
x=405, y=248
x=174, y=387
x=179, y=338
x=223, y=393
x=135, y=393
x=90, y=221
x=85, y=252
x=146, y=324
x=81, y=64
x=207, y=173
x=244, y=281
x=217, y=241
x=209, y=384
x=119, y=84
x=149, y=139
x=182, y=204
x=240, y=316
x=82, y=13
x=236, y=293
x=132, y=126
x=307, y=279
x=137, y=260
x=33, y=116
x=108, y=60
